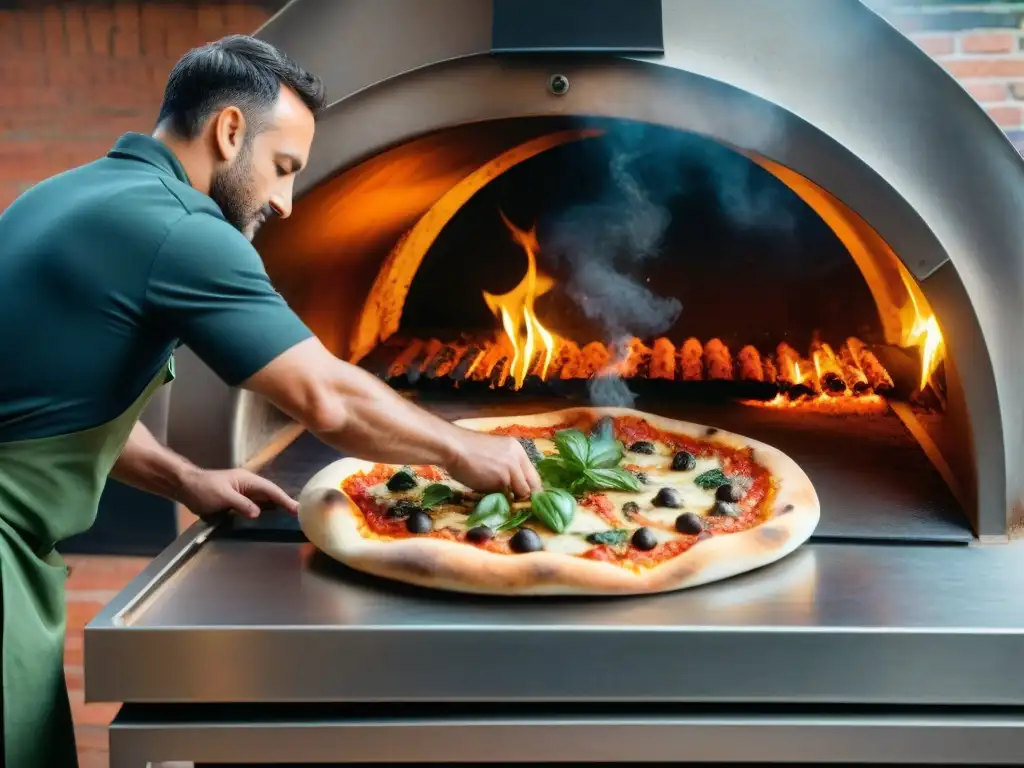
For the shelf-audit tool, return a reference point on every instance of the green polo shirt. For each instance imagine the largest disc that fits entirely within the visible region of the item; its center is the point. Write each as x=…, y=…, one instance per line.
x=106, y=269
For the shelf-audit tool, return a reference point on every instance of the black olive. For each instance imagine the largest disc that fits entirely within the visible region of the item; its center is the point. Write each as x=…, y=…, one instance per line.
x=684, y=461
x=419, y=522
x=630, y=508
x=641, y=476
x=668, y=497
x=402, y=480
x=725, y=509
x=728, y=492
x=403, y=508
x=525, y=540
x=711, y=431
x=643, y=446
x=689, y=523
x=644, y=540
x=479, y=535
x=532, y=452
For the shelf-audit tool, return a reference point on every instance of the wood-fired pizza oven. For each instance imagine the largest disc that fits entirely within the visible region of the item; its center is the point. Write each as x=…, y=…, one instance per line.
x=722, y=216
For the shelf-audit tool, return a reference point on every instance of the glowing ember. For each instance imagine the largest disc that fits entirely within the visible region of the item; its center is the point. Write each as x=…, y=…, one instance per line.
x=515, y=309
x=825, y=404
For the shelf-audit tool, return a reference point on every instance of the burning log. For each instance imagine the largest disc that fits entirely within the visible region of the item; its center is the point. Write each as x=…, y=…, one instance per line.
x=853, y=370
x=663, y=359
x=748, y=363
x=691, y=360
x=790, y=374
x=826, y=366
x=855, y=378
x=718, y=360
x=875, y=372
x=593, y=358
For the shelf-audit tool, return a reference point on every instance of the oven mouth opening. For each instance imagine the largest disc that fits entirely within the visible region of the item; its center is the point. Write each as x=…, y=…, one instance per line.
x=889, y=345
x=742, y=295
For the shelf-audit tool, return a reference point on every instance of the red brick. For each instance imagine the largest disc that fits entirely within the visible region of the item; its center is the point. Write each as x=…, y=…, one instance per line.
x=74, y=651
x=103, y=573
x=90, y=714
x=92, y=737
x=1006, y=117
x=75, y=29
x=30, y=31
x=985, y=66
x=78, y=75
x=126, y=29
x=81, y=613
x=935, y=44
x=988, y=42
x=987, y=91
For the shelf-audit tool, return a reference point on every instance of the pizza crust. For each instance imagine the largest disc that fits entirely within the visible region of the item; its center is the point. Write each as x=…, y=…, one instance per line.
x=329, y=520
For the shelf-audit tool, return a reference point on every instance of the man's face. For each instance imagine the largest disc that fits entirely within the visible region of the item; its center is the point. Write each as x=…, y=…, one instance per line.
x=258, y=182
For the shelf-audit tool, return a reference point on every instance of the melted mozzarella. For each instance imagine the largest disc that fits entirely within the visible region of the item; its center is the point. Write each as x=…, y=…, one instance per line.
x=566, y=544
x=586, y=521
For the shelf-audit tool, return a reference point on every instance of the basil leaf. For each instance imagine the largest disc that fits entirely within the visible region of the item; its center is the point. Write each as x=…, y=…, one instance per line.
x=613, y=538
x=555, y=472
x=612, y=479
x=514, y=522
x=555, y=508
x=573, y=446
x=492, y=510
x=604, y=453
x=579, y=486
x=710, y=479
x=435, y=494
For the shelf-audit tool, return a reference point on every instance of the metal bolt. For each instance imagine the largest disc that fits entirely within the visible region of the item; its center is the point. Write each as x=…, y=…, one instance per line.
x=558, y=84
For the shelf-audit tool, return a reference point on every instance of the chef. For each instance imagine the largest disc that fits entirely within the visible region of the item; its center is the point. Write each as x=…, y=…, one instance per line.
x=105, y=270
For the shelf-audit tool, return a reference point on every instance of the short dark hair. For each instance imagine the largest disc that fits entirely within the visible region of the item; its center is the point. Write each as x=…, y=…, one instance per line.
x=237, y=70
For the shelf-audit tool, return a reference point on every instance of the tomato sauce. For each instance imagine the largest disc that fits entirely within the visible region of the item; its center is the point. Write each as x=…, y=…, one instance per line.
x=754, y=507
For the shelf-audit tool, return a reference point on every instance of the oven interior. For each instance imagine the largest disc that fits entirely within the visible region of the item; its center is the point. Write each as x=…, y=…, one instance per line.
x=611, y=262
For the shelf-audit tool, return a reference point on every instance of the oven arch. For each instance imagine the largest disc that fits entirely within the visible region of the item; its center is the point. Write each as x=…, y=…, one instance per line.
x=884, y=149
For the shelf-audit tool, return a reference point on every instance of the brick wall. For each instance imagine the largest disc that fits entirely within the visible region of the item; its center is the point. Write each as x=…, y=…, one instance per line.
x=76, y=75
x=979, y=43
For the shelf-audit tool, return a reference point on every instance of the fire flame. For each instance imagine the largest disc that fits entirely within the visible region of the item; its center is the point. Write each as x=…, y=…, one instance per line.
x=921, y=329
x=515, y=308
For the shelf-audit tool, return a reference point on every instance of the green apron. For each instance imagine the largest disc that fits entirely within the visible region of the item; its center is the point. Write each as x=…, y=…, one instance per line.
x=49, y=490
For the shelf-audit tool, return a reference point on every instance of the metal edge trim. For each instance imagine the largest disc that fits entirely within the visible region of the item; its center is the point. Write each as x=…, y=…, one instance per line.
x=154, y=575
x=932, y=738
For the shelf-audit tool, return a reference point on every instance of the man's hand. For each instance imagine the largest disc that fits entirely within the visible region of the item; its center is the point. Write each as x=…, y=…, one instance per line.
x=492, y=463
x=146, y=464
x=204, y=492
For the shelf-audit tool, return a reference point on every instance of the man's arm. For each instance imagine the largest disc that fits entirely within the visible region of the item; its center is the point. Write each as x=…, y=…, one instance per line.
x=149, y=466
x=356, y=413
x=208, y=287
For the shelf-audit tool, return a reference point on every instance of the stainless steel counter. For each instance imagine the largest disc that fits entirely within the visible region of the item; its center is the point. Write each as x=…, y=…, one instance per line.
x=232, y=619
x=245, y=645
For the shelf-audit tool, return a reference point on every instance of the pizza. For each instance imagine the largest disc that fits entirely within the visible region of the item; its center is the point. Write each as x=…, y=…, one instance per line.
x=633, y=503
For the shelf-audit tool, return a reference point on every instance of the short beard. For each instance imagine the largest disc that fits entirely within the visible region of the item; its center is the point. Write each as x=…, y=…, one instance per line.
x=231, y=190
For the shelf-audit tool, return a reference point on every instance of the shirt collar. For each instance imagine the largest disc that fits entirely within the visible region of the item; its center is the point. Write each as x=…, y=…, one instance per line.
x=138, y=146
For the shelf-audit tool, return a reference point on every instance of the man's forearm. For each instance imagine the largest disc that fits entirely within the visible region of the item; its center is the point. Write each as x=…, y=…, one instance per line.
x=149, y=466
x=353, y=411
x=377, y=424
